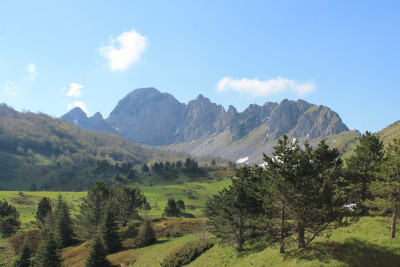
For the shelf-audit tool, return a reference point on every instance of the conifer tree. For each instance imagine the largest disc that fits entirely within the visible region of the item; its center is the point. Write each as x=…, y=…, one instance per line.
x=386, y=189
x=48, y=253
x=364, y=166
x=63, y=223
x=128, y=199
x=171, y=210
x=92, y=210
x=97, y=254
x=146, y=235
x=43, y=212
x=24, y=258
x=109, y=230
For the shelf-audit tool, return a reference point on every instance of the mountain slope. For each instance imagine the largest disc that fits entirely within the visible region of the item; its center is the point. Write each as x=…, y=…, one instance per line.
x=202, y=128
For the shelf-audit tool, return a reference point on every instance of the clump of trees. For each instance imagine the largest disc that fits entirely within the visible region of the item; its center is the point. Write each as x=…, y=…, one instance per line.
x=174, y=208
x=298, y=193
x=9, y=218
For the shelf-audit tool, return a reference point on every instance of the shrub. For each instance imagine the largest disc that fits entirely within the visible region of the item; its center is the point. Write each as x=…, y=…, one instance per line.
x=173, y=232
x=186, y=253
x=146, y=235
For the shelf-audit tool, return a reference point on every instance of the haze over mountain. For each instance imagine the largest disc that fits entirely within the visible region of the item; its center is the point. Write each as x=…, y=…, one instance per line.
x=147, y=116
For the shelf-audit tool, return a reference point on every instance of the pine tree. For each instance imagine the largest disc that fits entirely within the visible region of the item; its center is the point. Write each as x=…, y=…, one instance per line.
x=146, y=235
x=109, y=230
x=386, y=189
x=63, y=223
x=48, y=252
x=24, y=258
x=92, y=210
x=364, y=165
x=171, y=210
x=97, y=254
x=43, y=212
x=9, y=217
x=128, y=199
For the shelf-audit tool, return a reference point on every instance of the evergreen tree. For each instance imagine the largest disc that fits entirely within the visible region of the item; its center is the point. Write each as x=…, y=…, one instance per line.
x=43, y=212
x=62, y=222
x=364, y=166
x=92, y=210
x=24, y=258
x=233, y=211
x=145, y=168
x=48, y=253
x=9, y=217
x=97, y=254
x=171, y=210
x=128, y=199
x=386, y=189
x=109, y=230
x=146, y=235
x=181, y=204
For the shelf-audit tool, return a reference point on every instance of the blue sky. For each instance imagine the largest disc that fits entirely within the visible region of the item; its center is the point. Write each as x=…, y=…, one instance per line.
x=55, y=55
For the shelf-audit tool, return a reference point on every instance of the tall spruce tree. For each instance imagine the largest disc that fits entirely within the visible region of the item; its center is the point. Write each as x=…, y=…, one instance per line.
x=97, y=254
x=43, y=212
x=9, y=218
x=386, y=189
x=24, y=257
x=62, y=222
x=109, y=230
x=146, y=235
x=48, y=253
x=92, y=210
x=364, y=166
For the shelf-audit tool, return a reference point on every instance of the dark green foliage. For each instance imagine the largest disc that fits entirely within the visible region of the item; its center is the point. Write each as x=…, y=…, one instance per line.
x=385, y=189
x=9, y=218
x=97, y=254
x=364, y=166
x=62, y=223
x=181, y=204
x=173, y=233
x=146, y=235
x=309, y=189
x=128, y=199
x=24, y=258
x=233, y=211
x=146, y=206
x=48, y=253
x=171, y=210
x=145, y=168
x=109, y=230
x=186, y=253
x=92, y=210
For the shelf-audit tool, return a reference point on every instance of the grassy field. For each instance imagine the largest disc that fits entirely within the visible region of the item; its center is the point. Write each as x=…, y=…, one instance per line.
x=365, y=243
x=26, y=202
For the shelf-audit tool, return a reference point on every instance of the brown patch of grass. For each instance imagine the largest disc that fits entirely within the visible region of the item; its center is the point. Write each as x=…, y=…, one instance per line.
x=17, y=240
x=76, y=255
x=22, y=201
x=186, y=226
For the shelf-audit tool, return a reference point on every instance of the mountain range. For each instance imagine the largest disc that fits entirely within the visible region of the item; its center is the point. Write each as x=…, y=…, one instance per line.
x=147, y=116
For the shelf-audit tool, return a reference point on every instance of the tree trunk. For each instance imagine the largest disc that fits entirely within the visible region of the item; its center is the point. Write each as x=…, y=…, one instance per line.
x=393, y=226
x=300, y=235
x=282, y=234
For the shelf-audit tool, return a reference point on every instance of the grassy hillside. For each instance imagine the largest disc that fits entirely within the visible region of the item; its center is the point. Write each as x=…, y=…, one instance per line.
x=389, y=133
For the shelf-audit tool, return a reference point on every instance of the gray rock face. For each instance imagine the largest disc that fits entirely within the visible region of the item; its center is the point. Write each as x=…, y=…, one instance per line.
x=147, y=116
x=95, y=123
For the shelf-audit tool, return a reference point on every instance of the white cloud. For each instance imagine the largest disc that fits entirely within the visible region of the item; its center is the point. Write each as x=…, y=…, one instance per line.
x=264, y=88
x=32, y=71
x=10, y=88
x=77, y=104
x=131, y=46
x=74, y=90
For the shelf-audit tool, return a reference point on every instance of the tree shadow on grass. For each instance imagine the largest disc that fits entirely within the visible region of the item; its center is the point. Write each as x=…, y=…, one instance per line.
x=353, y=252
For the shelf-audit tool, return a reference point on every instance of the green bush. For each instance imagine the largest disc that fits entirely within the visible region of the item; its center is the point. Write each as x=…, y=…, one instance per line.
x=186, y=253
x=173, y=232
